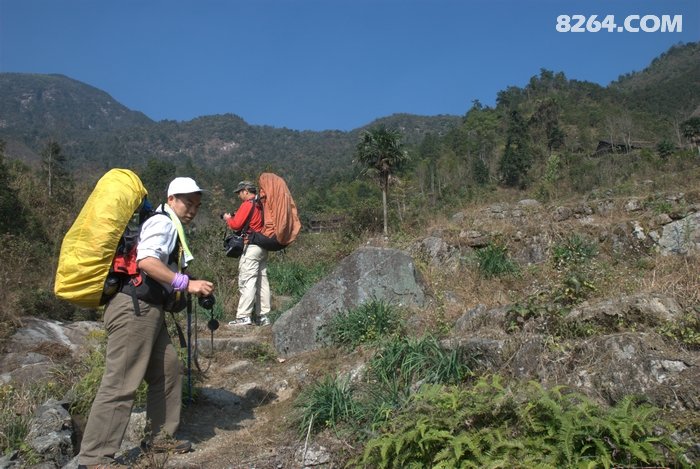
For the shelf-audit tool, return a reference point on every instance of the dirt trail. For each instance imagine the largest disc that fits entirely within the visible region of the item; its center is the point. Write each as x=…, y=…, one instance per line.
x=241, y=414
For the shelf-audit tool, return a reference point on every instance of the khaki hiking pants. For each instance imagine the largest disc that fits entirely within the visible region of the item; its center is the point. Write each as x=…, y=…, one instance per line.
x=253, y=285
x=138, y=348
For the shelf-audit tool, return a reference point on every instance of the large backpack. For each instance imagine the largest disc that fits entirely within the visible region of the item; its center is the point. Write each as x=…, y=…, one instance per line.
x=112, y=213
x=281, y=223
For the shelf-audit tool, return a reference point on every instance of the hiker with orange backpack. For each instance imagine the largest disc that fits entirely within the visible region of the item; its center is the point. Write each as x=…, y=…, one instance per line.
x=253, y=285
x=268, y=221
x=138, y=345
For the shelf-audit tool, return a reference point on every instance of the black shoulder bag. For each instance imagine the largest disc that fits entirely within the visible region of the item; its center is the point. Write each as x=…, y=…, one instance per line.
x=234, y=243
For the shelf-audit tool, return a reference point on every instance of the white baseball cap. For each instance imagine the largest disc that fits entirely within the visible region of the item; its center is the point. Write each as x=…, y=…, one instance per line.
x=183, y=186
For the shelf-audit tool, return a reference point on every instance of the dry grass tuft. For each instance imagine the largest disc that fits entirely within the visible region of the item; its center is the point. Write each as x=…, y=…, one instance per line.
x=676, y=276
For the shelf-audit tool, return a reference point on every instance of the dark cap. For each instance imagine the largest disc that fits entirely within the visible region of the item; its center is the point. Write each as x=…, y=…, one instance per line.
x=247, y=185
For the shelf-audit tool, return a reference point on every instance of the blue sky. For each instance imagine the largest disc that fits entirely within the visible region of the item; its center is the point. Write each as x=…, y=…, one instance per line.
x=323, y=64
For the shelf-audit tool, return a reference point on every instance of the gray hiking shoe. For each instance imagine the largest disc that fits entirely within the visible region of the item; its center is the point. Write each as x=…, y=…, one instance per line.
x=104, y=465
x=167, y=445
x=263, y=320
x=241, y=322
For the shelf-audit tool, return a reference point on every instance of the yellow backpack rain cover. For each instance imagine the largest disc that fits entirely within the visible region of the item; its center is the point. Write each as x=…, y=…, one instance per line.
x=89, y=245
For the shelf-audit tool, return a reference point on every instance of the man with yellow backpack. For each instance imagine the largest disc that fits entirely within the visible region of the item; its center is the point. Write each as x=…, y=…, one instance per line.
x=138, y=344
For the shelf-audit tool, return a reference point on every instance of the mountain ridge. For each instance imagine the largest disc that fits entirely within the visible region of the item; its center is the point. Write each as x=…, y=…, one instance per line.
x=96, y=131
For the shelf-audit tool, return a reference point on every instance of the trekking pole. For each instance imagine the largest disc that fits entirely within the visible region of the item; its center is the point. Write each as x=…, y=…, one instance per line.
x=213, y=324
x=189, y=349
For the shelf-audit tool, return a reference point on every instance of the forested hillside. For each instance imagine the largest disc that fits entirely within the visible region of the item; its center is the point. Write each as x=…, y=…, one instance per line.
x=569, y=116
x=668, y=88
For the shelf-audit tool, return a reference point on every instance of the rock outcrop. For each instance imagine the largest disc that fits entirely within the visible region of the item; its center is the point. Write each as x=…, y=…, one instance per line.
x=368, y=273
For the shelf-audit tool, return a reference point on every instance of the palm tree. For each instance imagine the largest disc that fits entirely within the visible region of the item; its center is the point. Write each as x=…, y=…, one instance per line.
x=380, y=152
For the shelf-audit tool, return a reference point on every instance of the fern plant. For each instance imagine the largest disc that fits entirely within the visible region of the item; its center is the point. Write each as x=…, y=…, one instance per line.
x=489, y=425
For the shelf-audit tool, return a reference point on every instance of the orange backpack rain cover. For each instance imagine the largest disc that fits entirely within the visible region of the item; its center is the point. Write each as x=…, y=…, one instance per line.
x=279, y=209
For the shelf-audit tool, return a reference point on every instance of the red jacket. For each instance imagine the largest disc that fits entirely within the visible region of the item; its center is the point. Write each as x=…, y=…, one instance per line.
x=237, y=221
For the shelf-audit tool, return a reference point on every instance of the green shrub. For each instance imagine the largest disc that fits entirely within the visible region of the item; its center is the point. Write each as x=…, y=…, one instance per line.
x=325, y=404
x=368, y=322
x=401, y=366
x=575, y=289
x=550, y=310
x=489, y=425
x=494, y=261
x=685, y=331
x=665, y=148
x=85, y=390
x=407, y=360
x=534, y=307
x=573, y=251
x=584, y=174
x=260, y=352
x=19, y=272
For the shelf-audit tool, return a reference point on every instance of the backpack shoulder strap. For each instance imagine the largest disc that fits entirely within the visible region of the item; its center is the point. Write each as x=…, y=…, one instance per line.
x=246, y=225
x=176, y=254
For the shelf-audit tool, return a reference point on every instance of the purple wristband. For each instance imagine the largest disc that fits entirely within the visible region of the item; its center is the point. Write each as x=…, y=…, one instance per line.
x=180, y=282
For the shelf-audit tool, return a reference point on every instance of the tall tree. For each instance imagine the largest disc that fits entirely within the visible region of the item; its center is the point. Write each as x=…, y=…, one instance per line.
x=545, y=122
x=12, y=219
x=517, y=159
x=481, y=124
x=55, y=168
x=429, y=153
x=381, y=153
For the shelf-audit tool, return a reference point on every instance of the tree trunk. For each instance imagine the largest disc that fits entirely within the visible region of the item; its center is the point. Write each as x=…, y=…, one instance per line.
x=386, y=225
x=50, y=166
x=677, y=129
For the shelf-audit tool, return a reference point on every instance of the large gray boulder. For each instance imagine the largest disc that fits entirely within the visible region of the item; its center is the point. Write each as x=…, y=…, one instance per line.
x=368, y=273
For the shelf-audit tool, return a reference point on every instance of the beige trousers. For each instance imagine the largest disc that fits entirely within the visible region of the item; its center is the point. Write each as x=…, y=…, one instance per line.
x=253, y=286
x=138, y=348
